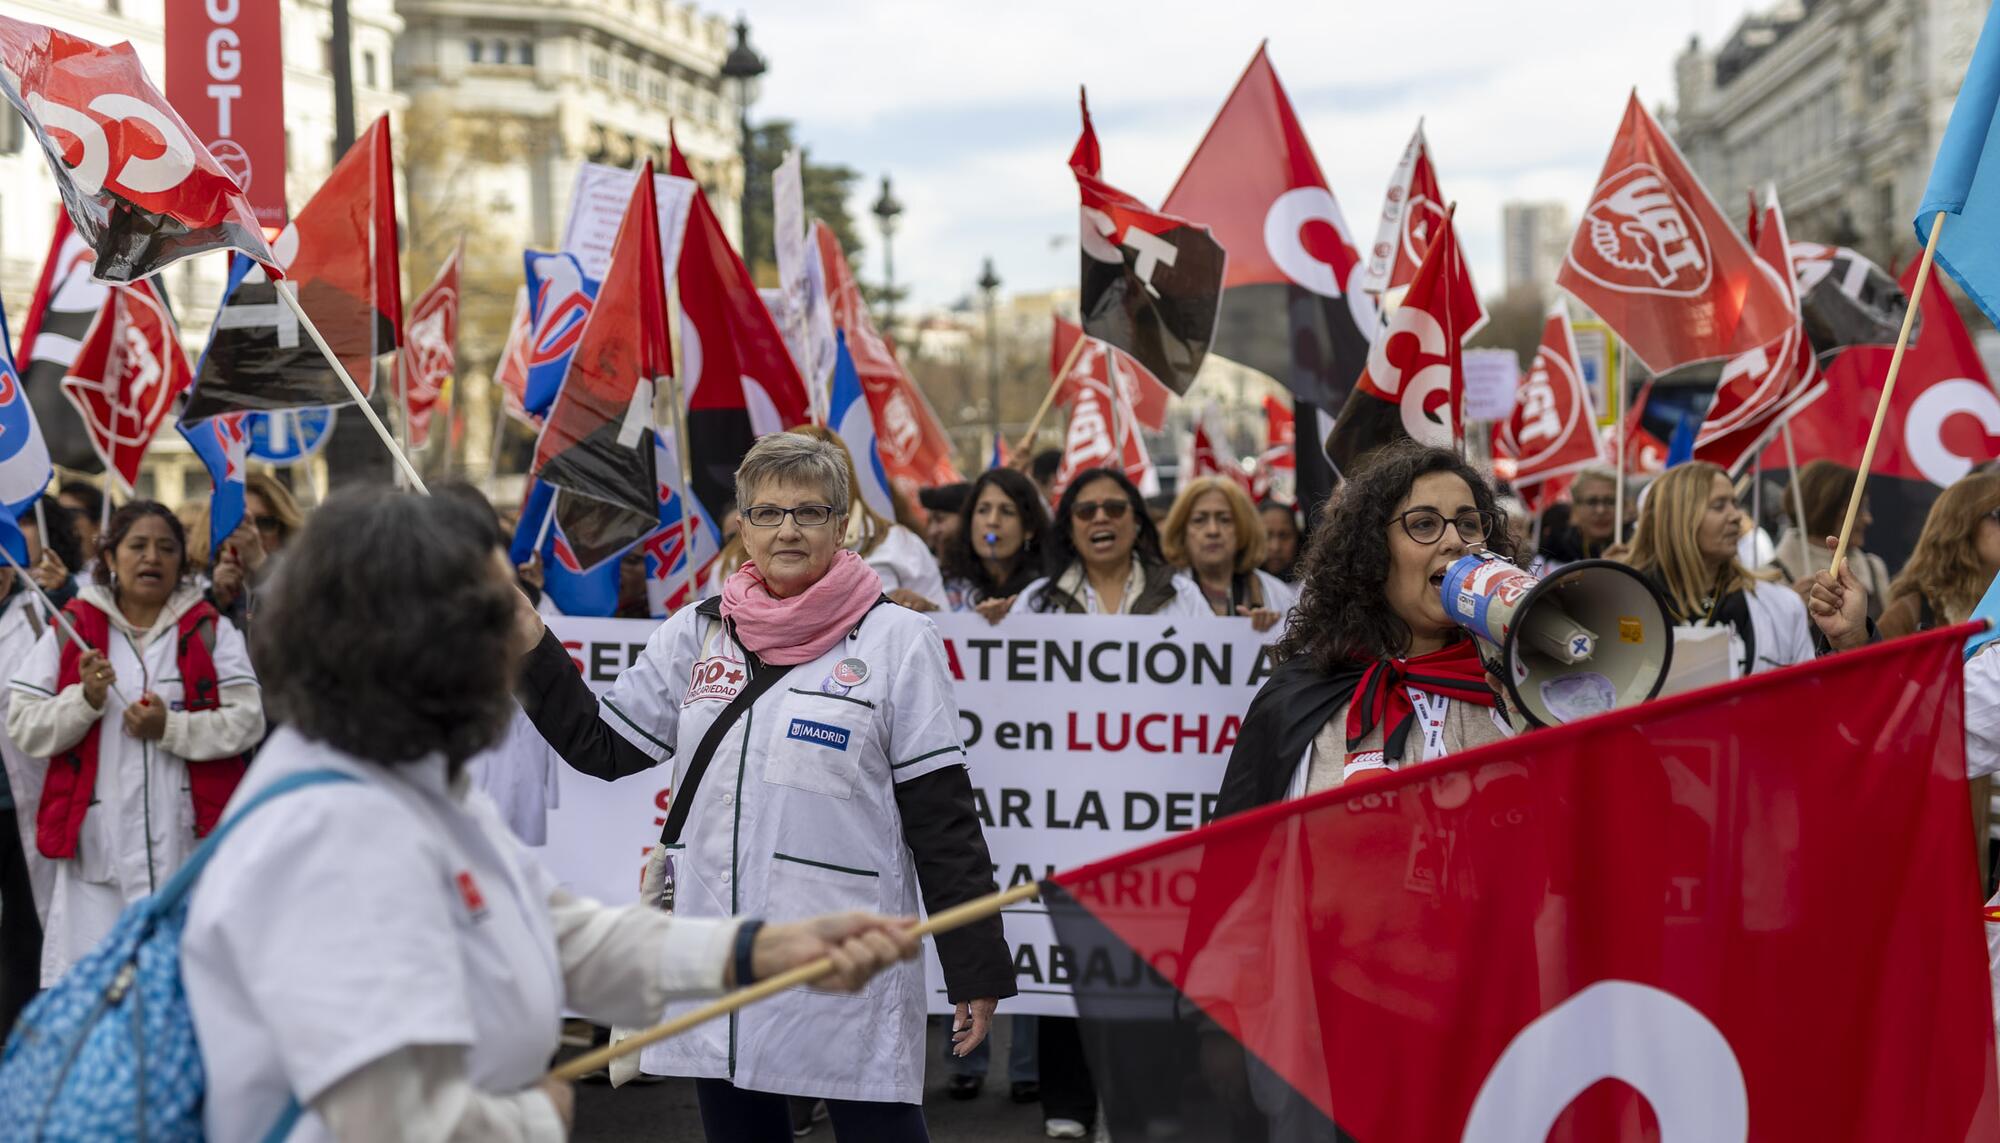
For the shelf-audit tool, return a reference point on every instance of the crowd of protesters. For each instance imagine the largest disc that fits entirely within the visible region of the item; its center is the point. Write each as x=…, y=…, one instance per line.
x=124, y=743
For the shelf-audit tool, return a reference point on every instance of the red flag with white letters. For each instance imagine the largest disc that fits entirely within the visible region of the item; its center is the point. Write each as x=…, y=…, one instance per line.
x=430, y=348
x=140, y=186
x=1553, y=429
x=1103, y=428
x=1412, y=216
x=1652, y=926
x=1280, y=433
x=1142, y=390
x=126, y=376
x=1658, y=261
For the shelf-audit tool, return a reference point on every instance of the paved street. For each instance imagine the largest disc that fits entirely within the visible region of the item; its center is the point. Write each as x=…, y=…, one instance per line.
x=665, y=1112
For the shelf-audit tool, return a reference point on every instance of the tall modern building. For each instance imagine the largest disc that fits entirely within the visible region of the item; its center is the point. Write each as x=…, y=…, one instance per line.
x=1533, y=238
x=1839, y=103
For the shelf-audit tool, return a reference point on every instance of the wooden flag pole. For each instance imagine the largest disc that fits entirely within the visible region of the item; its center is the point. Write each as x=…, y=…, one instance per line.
x=1888, y=390
x=1022, y=454
x=291, y=298
x=1615, y=378
x=1798, y=501
x=953, y=918
x=56, y=615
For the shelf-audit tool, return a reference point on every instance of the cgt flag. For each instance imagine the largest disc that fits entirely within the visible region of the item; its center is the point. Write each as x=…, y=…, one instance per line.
x=340, y=254
x=126, y=376
x=1654, y=924
x=1413, y=212
x=139, y=185
x=1552, y=431
x=430, y=358
x=1657, y=260
x=1845, y=299
x=1151, y=283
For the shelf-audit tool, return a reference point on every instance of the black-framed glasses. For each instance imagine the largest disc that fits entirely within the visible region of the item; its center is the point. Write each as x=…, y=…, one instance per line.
x=806, y=515
x=1598, y=503
x=1087, y=510
x=1426, y=525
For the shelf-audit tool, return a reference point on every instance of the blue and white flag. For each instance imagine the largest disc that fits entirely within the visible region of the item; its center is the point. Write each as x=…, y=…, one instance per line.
x=679, y=558
x=573, y=588
x=24, y=456
x=1989, y=610
x=1965, y=179
x=847, y=414
x=560, y=298
x=222, y=443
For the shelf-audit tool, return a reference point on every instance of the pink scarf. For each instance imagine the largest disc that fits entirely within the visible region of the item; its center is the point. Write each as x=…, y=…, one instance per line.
x=802, y=628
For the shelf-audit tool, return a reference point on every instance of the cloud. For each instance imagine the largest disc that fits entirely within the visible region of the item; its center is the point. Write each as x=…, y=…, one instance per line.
x=972, y=109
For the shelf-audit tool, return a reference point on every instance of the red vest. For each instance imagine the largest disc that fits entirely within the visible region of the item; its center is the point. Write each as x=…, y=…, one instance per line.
x=72, y=777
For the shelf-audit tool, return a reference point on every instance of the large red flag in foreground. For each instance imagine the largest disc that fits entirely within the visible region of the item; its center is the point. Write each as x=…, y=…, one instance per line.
x=1652, y=925
x=1553, y=430
x=142, y=189
x=1943, y=419
x=912, y=444
x=1657, y=260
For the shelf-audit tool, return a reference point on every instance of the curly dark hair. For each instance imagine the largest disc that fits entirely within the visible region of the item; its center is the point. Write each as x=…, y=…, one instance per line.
x=384, y=632
x=121, y=523
x=961, y=561
x=1060, y=552
x=1344, y=574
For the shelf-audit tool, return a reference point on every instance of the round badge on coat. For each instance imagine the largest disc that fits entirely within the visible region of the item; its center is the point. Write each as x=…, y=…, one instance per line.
x=850, y=672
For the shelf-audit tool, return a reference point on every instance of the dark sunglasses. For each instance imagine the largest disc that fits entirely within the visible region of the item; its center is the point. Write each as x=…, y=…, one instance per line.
x=1087, y=510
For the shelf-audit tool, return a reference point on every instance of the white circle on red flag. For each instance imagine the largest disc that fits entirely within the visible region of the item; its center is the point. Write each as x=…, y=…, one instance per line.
x=1284, y=238
x=1923, y=426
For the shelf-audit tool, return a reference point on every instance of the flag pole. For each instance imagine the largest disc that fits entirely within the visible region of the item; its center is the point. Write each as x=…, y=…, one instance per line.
x=1798, y=501
x=291, y=298
x=953, y=918
x=1888, y=390
x=493, y=442
x=56, y=614
x=1615, y=378
x=1049, y=399
x=685, y=461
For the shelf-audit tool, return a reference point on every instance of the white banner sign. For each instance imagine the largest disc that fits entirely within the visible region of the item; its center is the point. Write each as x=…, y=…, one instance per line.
x=597, y=205
x=1083, y=738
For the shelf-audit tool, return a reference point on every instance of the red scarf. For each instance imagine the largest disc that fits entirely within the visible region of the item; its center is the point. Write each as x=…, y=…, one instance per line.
x=1382, y=698
x=801, y=628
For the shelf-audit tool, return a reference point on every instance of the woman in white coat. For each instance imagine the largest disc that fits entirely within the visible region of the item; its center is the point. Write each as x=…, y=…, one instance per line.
x=1213, y=534
x=817, y=763
x=1685, y=544
x=143, y=729
x=909, y=571
x=381, y=950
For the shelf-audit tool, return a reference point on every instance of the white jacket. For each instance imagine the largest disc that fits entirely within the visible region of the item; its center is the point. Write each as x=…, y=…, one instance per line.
x=902, y=560
x=21, y=624
x=140, y=828
x=1783, y=632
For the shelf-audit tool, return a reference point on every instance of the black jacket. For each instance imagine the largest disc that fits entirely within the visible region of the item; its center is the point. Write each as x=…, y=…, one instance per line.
x=1288, y=710
x=940, y=821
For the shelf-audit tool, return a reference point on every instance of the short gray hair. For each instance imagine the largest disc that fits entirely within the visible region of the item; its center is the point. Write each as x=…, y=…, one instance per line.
x=793, y=458
x=1602, y=472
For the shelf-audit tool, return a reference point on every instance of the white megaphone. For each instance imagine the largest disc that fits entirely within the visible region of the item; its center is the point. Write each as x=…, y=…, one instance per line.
x=1588, y=637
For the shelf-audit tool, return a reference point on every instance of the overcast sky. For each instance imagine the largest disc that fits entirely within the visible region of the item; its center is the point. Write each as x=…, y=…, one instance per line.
x=971, y=108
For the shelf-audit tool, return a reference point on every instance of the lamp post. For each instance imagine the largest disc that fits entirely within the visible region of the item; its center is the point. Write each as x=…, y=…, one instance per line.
x=886, y=209
x=989, y=285
x=744, y=66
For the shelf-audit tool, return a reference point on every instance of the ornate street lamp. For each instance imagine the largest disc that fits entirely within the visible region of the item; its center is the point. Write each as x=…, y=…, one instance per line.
x=743, y=66
x=989, y=286
x=886, y=210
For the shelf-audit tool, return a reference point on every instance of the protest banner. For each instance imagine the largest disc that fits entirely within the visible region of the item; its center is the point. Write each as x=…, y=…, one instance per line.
x=1082, y=741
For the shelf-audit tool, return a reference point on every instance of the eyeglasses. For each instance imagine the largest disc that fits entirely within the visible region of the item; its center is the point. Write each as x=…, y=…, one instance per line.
x=1087, y=510
x=805, y=515
x=1426, y=525
x=1597, y=503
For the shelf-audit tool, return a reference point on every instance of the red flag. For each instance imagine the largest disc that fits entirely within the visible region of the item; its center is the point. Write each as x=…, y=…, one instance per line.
x=1657, y=260
x=1553, y=429
x=126, y=376
x=912, y=444
x=1103, y=429
x=1943, y=419
x=1414, y=384
x=1208, y=455
x=1292, y=305
x=1412, y=214
x=1645, y=454
x=1654, y=924
x=511, y=374
x=140, y=186
x=1136, y=383
x=430, y=359
x=1280, y=434
x=340, y=254
x=597, y=446
x=1759, y=390
x=67, y=300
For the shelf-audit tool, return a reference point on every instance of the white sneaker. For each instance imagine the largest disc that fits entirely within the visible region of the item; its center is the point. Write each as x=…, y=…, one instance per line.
x=1064, y=1129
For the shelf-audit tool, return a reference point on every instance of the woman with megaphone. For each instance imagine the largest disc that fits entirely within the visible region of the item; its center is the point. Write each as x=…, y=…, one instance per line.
x=1689, y=523
x=1373, y=673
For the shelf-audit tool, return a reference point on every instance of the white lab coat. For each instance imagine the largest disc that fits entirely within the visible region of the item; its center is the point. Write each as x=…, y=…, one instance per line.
x=1187, y=603
x=140, y=829
x=795, y=817
x=21, y=623
x=1784, y=633
x=1279, y=596
x=343, y=925
x=519, y=774
x=902, y=560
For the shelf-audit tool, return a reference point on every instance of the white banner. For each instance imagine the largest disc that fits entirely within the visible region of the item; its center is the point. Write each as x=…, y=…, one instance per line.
x=597, y=205
x=1083, y=738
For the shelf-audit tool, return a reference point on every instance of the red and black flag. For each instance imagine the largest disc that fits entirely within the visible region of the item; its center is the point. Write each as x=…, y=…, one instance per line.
x=1414, y=384
x=1847, y=299
x=67, y=299
x=1650, y=925
x=1151, y=283
x=597, y=446
x=141, y=187
x=339, y=253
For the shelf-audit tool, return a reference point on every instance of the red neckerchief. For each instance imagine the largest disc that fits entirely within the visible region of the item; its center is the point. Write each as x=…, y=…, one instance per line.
x=1383, y=697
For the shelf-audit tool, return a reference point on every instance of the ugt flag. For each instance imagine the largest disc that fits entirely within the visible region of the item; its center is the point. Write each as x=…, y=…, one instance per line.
x=1650, y=925
x=126, y=377
x=1965, y=179
x=430, y=359
x=1552, y=430
x=141, y=188
x=24, y=458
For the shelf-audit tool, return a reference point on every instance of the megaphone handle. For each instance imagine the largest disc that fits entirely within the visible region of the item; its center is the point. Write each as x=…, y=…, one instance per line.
x=1496, y=670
